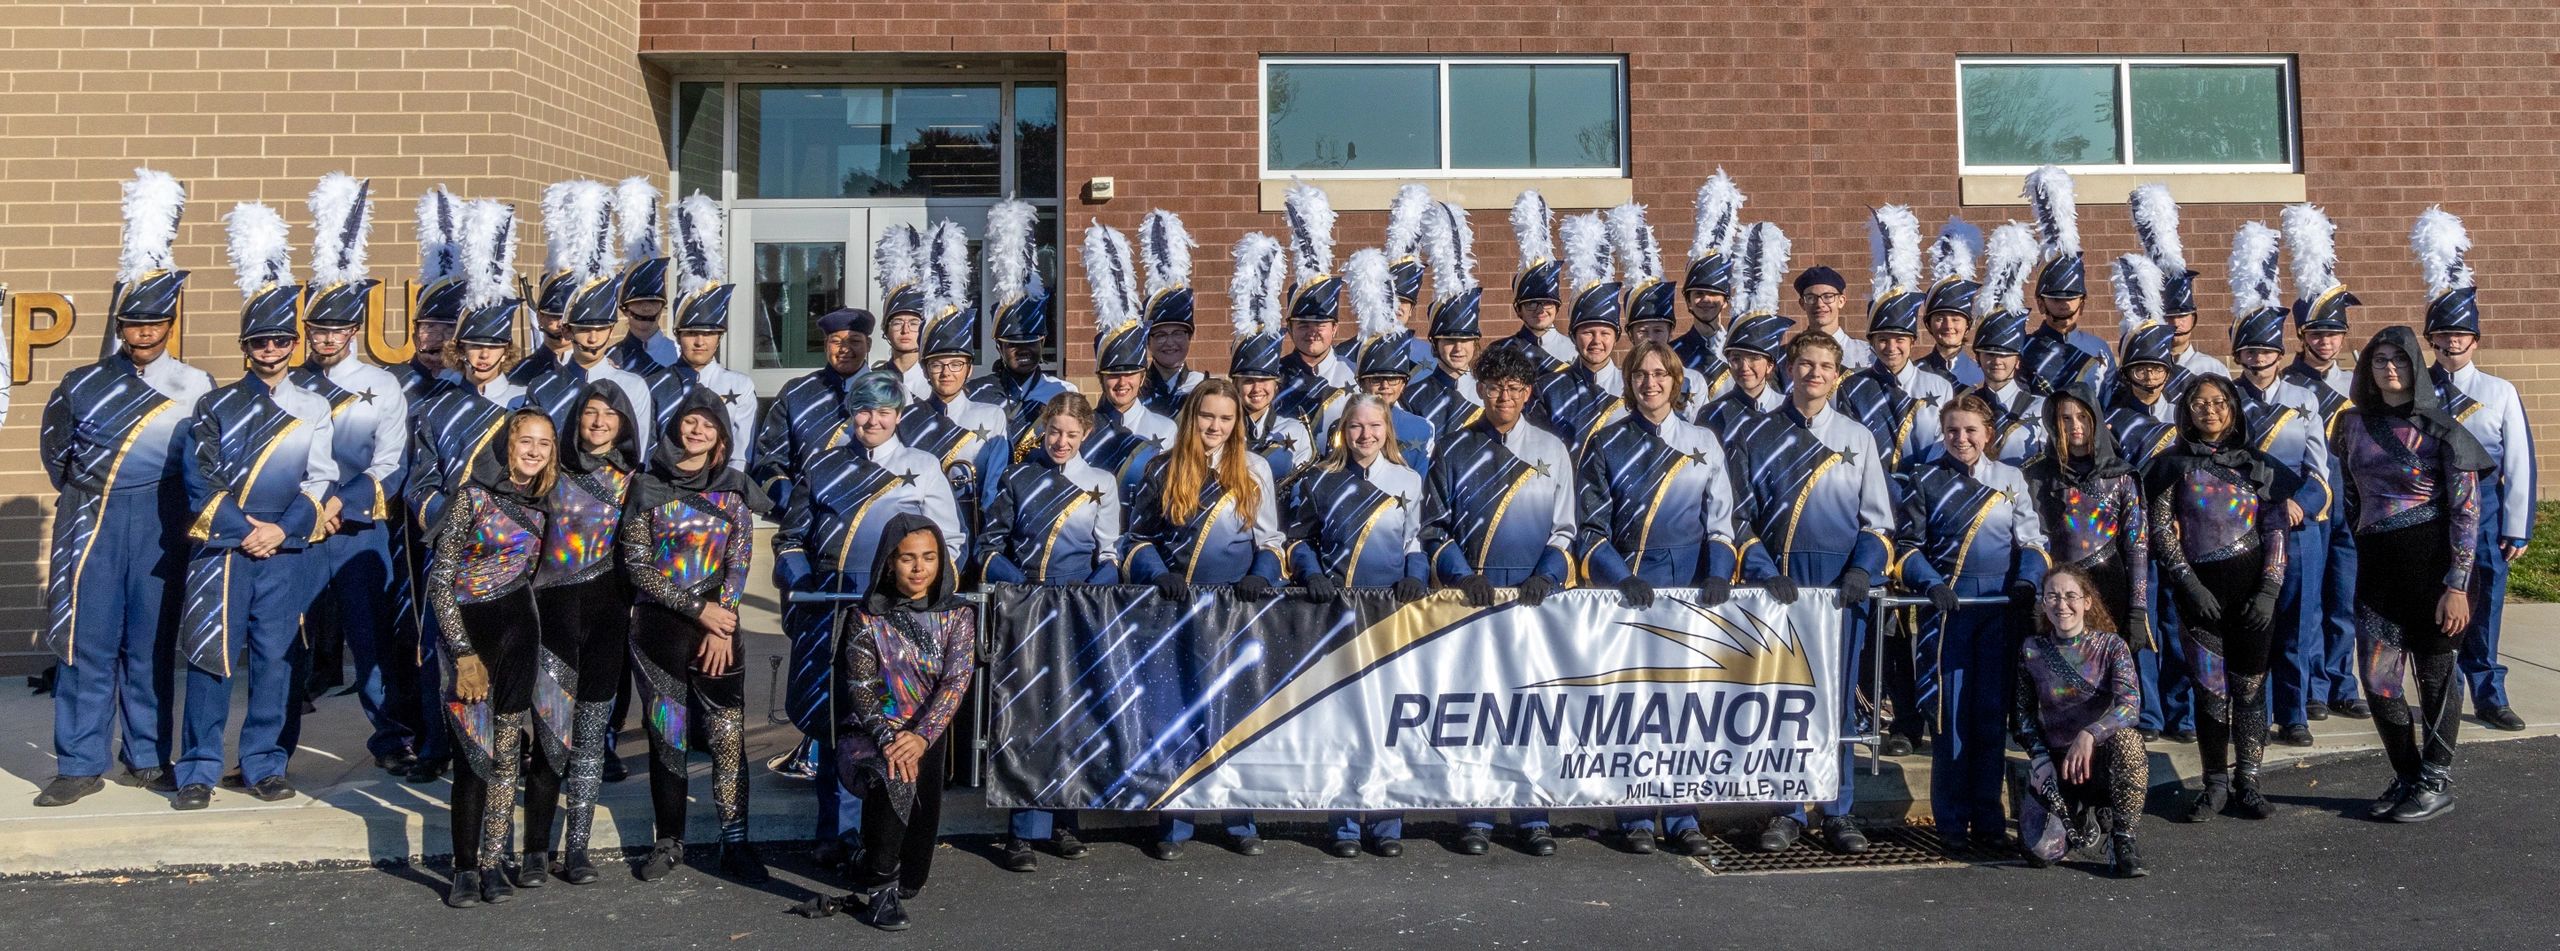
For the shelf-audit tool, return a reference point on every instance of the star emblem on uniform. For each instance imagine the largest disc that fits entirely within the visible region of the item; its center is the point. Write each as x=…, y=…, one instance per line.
x=729, y=398
x=1542, y=468
x=1699, y=457
x=1093, y=495
x=364, y=395
x=1849, y=455
x=1285, y=442
x=1929, y=400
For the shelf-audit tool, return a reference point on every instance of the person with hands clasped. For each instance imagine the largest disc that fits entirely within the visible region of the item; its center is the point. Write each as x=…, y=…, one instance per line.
x=2076, y=701
x=909, y=652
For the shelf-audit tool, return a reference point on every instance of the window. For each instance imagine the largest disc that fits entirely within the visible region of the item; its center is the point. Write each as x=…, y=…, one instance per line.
x=2144, y=114
x=869, y=141
x=1384, y=117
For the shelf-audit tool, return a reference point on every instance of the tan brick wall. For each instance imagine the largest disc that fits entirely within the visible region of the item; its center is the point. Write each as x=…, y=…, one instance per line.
x=252, y=101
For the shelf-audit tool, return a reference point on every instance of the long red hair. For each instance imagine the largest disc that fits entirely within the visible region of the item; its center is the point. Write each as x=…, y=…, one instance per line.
x=1189, y=468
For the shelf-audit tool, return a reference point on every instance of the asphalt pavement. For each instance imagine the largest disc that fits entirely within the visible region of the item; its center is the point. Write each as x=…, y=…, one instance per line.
x=2312, y=877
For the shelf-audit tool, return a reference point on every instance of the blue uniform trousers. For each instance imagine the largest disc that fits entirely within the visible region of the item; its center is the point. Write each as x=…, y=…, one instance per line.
x=1041, y=825
x=1177, y=826
x=1975, y=666
x=265, y=649
x=2481, y=672
x=356, y=601
x=1822, y=570
x=128, y=631
x=2297, y=675
x=1347, y=826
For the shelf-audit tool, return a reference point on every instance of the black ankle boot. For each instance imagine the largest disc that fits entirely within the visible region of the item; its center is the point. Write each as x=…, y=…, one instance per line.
x=465, y=891
x=575, y=868
x=741, y=861
x=2391, y=798
x=881, y=909
x=2431, y=797
x=2128, y=863
x=534, y=871
x=2216, y=795
x=2246, y=801
x=663, y=858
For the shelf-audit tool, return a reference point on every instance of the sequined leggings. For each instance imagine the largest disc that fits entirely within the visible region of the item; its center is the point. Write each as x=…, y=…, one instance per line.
x=586, y=630
x=484, y=790
x=2119, y=775
x=663, y=644
x=2229, y=665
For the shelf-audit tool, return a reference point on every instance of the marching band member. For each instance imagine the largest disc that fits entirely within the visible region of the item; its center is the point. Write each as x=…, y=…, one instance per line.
x=2283, y=419
x=115, y=443
x=1537, y=294
x=1969, y=529
x=1024, y=314
x=811, y=414
x=2320, y=322
x=487, y=538
x=1446, y=396
x=1949, y=312
x=2141, y=420
x=968, y=438
x=1384, y=360
x=2017, y=429
x=899, y=260
x=702, y=322
x=908, y=657
x=1815, y=495
x=1652, y=300
x=1500, y=510
x=1575, y=403
x=1405, y=217
x=687, y=535
x=2059, y=354
x=585, y=637
x=1313, y=379
x=1055, y=520
x=2076, y=700
x=1354, y=519
x=1253, y=295
x=1821, y=293
x=1893, y=397
x=2414, y=472
x=1757, y=338
x=1706, y=290
x=592, y=312
x=2155, y=223
x=2491, y=409
x=1167, y=253
x=1207, y=516
x=561, y=239
x=260, y=483
x=1120, y=353
x=643, y=283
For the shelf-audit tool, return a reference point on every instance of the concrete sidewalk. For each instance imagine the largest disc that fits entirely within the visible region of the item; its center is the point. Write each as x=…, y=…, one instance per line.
x=351, y=812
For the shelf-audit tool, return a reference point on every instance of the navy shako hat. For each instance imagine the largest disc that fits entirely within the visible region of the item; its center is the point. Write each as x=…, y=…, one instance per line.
x=263, y=266
x=2455, y=311
x=2443, y=248
x=598, y=303
x=1381, y=350
x=1023, y=311
x=2001, y=315
x=148, y=282
x=2003, y=332
x=1542, y=282
x=2257, y=291
x=2143, y=337
x=1653, y=301
x=1541, y=277
x=1760, y=267
x=644, y=281
x=1315, y=291
x=1952, y=287
x=897, y=267
x=644, y=262
x=2065, y=277
x=2050, y=197
x=952, y=327
x=1253, y=299
x=1649, y=297
x=2178, y=293
x=2151, y=344
x=1761, y=334
x=2258, y=330
x=439, y=235
x=341, y=209
x=1120, y=335
x=1894, y=295
x=706, y=310
x=2320, y=301
x=1711, y=273
x=1387, y=356
x=1173, y=305
x=1404, y=241
x=1407, y=275
x=2155, y=225
x=492, y=325
x=1457, y=299
x=702, y=266
x=1320, y=300
x=553, y=294
x=955, y=333
x=1717, y=218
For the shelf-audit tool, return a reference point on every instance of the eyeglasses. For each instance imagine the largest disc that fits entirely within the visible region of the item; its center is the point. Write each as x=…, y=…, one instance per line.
x=1825, y=298
x=2064, y=597
x=2215, y=403
x=1512, y=390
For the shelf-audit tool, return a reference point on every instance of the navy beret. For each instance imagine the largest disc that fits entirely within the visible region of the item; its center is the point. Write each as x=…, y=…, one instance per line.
x=1820, y=274
x=854, y=319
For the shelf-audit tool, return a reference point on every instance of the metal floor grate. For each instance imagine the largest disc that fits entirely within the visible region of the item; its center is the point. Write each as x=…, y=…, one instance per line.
x=1904, y=846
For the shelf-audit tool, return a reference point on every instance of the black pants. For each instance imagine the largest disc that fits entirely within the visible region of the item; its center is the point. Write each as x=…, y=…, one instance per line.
x=502, y=634
x=587, y=627
x=664, y=643
x=2231, y=724
x=900, y=851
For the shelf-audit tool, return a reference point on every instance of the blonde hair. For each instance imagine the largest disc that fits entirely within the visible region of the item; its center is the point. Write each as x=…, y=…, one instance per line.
x=1189, y=468
x=1340, y=455
x=550, y=474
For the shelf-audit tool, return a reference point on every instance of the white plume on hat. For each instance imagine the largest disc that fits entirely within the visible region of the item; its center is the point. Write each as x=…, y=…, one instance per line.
x=897, y=258
x=635, y=216
x=1893, y=239
x=2137, y=290
x=1108, y=278
x=260, y=258
x=556, y=242
x=152, y=203
x=1253, y=293
x=341, y=209
x=2155, y=223
x=1586, y=251
x=1168, y=249
x=1764, y=268
x=439, y=236
x=701, y=247
x=1718, y=208
x=2009, y=265
x=2312, y=239
x=1639, y=255
x=1373, y=292
x=2255, y=285
x=946, y=268
x=488, y=246
x=1404, y=221
x=2443, y=248
x=1450, y=244
x=1952, y=254
x=2049, y=195
x=1011, y=254
x=1533, y=228
x=1310, y=216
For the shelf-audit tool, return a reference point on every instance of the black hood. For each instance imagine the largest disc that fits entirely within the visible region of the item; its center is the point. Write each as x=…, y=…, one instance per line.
x=883, y=598
x=625, y=453
x=2234, y=454
x=718, y=475
x=2425, y=407
x=2104, y=462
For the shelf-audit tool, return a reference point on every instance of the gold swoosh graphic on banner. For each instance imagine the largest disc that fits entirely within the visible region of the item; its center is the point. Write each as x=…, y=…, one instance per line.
x=1734, y=655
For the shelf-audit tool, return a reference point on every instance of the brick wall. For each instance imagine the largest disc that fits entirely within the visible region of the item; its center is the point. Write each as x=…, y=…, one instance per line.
x=248, y=101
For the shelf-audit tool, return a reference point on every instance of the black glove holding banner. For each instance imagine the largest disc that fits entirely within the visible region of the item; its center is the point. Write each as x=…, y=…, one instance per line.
x=1635, y=592
x=1169, y=586
x=1856, y=584
x=1321, y=588
x=1253, y=587
x=1783, y=588
x=1718, y=591
x=1533, y=590
x=1478, y=591
x=1411, y=590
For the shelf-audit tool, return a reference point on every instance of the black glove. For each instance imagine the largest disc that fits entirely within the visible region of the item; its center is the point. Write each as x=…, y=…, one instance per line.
x=2137, y=630
x=1943, y=597
x=1411, y=590
x=1856, y=584
x=1321, y=588
x=1253, y=587
x=1169, y=586
x=1479, y=591
x=2022, y=594
x=2196, y=602
x=1715, y=591
x=1782, y=587
x=1533, y=590
x=1635, y=593
x=2259, y=613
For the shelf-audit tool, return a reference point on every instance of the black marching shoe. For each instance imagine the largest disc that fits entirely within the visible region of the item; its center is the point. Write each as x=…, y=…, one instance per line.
x=272, y=789
x=1474, y=842
x=1897, y=745
x=614, y=770
x=1388, y=848
x=663, y=858
x=2315, y=711
x=2147, y=734
x=2128, y=863
x=159, y=779
x=1844, y=836
x=1168, y=851
x=192, y=797
x=427, y=770
x=465, y=891
x=1640, y=841
x=1068, y=846
x=397, y=764
x=1018, y=856
x=2431, y=797
x=2246, y=801
x=534, y=871
x=1690, y=842
x=2178, y=736
x=909, y=893
x=2390, y=799
x=575, y=869
x=2215, y=797
x=1343, y=848
x=2298, y=734
x=65, y=790
x=1780, y=834
x=1538, y=842
x=494, y=889
x=2501, y=717
x=2354, y=710
x=741, y=861
x=881, y=909
x=1249, y=845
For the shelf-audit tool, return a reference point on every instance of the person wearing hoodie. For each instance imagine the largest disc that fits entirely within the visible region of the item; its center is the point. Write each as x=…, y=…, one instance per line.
x=687, y=533
x=2091, y=500
x=586, y=631
x=909, y=652
x=2216, y=506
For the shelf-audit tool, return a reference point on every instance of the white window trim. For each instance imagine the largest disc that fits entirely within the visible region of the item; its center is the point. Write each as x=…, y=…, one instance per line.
x=2288, y=93
x=1262, y=117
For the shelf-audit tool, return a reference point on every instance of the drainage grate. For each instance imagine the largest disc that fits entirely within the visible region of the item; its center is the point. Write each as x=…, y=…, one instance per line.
x=1905, y=846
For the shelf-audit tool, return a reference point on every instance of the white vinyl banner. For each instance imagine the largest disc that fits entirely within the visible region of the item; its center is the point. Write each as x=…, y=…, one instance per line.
x=1578, y=701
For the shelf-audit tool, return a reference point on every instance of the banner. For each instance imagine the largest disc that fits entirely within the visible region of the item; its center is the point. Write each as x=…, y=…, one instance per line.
x=1113, y=698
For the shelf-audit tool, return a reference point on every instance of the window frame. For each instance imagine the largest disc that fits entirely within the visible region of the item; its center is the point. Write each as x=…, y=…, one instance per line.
x=1262, y=117
x=2288, y=94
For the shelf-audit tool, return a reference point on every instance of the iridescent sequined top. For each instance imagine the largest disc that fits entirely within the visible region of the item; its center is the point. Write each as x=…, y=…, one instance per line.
x=2070, y=685
x=485, y=550
x=586, y=511
x=904, y=673
x=2399, y=476
x=688, y=548
x=2098, y=523
x=2204, y=512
